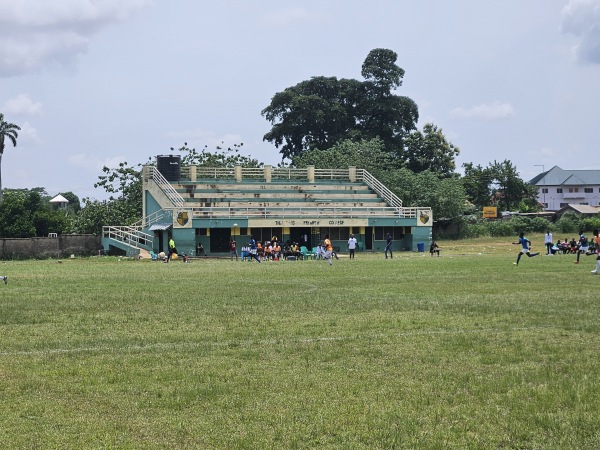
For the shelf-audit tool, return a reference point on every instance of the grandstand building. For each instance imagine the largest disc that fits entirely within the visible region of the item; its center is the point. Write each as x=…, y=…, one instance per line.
x=203, y=208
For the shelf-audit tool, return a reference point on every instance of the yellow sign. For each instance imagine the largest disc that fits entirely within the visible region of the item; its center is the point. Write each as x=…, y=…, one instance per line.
x=490, y=212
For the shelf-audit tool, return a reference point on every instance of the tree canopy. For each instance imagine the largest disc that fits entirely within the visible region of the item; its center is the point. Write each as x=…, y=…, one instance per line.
x=323, y=111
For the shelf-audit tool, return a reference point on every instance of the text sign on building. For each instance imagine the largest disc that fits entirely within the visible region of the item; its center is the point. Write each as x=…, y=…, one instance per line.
x=490, y=212
x=274, y=223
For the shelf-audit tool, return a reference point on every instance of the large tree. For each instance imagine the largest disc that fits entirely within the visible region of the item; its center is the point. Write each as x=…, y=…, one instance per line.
x=429, y=150
x=7, y=131
x=323, y=111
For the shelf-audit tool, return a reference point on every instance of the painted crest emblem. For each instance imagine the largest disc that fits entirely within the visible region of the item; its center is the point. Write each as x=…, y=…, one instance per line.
x=424, y=217
x=182, y=218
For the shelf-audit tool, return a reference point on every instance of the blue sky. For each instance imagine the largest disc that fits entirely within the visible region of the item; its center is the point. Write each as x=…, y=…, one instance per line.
x=94, y=83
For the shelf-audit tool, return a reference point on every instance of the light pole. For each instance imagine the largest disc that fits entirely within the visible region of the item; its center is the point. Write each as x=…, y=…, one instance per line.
x=544, y=184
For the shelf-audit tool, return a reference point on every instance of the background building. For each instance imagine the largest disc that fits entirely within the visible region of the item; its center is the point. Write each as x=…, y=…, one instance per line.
x=558, y=188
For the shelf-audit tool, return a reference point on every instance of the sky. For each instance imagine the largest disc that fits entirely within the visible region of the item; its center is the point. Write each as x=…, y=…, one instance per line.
x=94, y=83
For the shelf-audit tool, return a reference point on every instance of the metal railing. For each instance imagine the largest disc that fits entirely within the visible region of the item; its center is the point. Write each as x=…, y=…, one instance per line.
x=389, y=197
x=131, y=236
x=154, y=174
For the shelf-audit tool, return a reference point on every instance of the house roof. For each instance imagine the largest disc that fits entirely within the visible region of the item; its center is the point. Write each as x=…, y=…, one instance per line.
x=581, y=209
x=59, y=199
x=560, y=177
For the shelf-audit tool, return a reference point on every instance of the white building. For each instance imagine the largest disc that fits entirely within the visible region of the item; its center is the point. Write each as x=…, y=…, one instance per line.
x=558, y=188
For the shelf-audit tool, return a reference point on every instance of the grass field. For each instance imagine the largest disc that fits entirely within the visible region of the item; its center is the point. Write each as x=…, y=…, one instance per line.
x=462, y=351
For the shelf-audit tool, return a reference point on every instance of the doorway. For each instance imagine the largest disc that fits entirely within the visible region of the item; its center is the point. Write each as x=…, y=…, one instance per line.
x=368, y=238
x=219, y=240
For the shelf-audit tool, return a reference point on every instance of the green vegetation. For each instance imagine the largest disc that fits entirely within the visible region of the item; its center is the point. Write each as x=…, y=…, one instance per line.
x=461, y=351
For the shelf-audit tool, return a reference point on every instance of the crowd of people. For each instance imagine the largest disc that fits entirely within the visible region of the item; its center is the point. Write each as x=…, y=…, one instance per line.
x=273, y=251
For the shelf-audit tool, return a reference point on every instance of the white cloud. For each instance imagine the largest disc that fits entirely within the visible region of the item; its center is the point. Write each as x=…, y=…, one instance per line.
x=22, y=105
x=28, y=134
x=489, y=111
x=582, y=19
x=35, y=33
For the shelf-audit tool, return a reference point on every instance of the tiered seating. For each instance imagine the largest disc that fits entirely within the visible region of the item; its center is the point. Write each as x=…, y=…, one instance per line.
x=277, y=194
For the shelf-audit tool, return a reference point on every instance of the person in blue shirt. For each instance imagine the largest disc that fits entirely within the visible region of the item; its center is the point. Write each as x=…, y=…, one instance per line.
x=525, y=248
x=388, y=246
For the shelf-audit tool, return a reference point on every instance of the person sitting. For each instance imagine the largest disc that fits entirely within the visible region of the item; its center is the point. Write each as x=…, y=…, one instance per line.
x=319, y=252
x=245, y=251
x=573, y=246
x=434, y=248
x=276, y=251
x=268, y=251
x=287, y=251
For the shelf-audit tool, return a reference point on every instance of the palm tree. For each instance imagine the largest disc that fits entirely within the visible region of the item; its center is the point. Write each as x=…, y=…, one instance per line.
x=6, y=130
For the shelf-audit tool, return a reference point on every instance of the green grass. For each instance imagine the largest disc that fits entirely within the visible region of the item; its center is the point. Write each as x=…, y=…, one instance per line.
x=461, y=351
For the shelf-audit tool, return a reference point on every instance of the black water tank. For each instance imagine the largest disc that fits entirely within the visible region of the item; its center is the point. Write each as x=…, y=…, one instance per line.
x=169, y=166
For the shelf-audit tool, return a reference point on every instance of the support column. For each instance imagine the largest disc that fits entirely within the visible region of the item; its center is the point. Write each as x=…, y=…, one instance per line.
x=193, y=173
x=352, y=174
x=310, y=173
x=238, y=173
x=268, y=173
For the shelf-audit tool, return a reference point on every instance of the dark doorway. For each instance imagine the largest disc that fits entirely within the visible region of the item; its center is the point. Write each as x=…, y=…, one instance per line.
x=219, y=240
x=368, y=238
x=302, y=236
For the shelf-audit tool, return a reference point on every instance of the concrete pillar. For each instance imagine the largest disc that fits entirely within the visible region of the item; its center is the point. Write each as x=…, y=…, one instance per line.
x=192, y=173
x=268, y=173
x=310, y=173
x=352, y=174
x=238, y=173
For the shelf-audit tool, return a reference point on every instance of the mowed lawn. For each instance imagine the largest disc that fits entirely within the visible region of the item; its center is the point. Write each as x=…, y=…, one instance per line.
x=462, y=351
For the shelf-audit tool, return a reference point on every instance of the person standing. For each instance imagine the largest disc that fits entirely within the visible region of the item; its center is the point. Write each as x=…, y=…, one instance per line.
x=388, y=246
x=525, y=248
x=582, y=245
x=597, y=245
x=352, y=246
x=548, y=242
x=253, y=250
x=327, y=250
x=172, y=249
x=233, y=249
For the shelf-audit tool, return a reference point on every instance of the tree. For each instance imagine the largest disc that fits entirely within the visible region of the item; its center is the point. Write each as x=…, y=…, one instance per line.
x=429, y=150
x=28, y=213
x=324, y=111
x=498, y=183
x=10, y=131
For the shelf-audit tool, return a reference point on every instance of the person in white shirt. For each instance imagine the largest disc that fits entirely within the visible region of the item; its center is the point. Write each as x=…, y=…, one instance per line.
x=549, y=242
x=352, y=246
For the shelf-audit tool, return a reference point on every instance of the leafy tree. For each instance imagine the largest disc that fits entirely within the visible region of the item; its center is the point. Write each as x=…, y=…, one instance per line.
x=429, y=150
x=369, y=155
x=27, y=213
x=477, y=183
x=510, y=190
x=229, y=157
x=498, y=183
x=324, y=111
x=7, y=131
